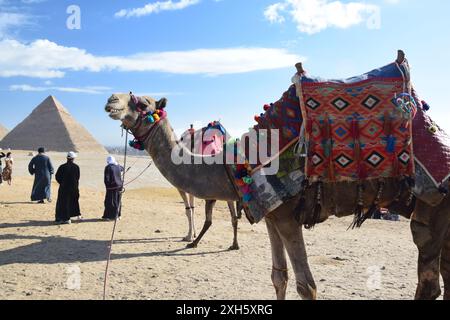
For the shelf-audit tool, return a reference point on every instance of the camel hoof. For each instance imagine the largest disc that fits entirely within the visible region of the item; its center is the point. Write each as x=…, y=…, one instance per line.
x=234, y=247
x=188, y=239
x=191, y=245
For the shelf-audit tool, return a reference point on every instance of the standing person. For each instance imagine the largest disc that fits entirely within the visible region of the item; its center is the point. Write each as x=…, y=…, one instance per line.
x=7, y=171
x=42, y=169
x=68, y=177
x=2, y=155
x=114, y=185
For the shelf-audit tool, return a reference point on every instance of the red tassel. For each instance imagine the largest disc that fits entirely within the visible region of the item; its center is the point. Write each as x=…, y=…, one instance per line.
x=331, y=170
x=396, y=165
x=387, y=124
x=362, y=171
x=266, y=107
x=355, y=129
x=327, y=130
x=309, y=126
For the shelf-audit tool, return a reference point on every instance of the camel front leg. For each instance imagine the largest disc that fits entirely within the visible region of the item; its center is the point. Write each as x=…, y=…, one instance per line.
x=292, y=236
x=445, y=265
x=190, y=216
x=234, y=221
x=279, y=264
x=192, y=205
x=209, y=207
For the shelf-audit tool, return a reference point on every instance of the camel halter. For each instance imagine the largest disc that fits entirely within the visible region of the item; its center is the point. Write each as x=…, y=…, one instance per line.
x=145, y=117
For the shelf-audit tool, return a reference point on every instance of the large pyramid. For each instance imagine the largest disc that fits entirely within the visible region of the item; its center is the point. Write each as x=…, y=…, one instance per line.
x=51, y=126
x=3, y=132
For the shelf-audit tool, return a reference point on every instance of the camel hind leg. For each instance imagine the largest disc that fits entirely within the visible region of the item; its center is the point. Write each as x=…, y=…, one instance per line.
x=428, y=287
x=234, y=221
x=445, y=265
x=429, y=238
x=279, y=263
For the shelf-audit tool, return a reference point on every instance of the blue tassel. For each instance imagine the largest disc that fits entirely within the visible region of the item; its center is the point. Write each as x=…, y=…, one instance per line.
x=425, y=106
x=391, y=140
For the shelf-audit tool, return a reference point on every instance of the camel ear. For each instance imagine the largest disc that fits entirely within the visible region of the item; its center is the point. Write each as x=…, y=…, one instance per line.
x=161, y=104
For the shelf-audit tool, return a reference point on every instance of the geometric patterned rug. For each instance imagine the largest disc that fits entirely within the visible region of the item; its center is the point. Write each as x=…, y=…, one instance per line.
x=284, y=115
x=432, y=148
x=354, y=128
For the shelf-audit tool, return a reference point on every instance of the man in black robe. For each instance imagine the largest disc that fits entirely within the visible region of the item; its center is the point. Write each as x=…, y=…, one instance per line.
x=2, y=155
x=42, y=169
x=114, y=186
x=68, y=177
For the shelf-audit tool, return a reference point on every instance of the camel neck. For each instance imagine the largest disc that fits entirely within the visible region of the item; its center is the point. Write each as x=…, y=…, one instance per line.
x=204, y=181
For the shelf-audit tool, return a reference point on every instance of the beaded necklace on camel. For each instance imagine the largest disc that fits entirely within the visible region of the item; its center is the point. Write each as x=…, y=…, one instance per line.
x=149, y=117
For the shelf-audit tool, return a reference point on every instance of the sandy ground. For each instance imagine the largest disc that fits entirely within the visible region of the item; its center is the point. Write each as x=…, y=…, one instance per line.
x=39, y=260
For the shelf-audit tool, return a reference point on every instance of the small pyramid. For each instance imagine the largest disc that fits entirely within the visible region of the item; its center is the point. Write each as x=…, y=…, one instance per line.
x=3, y=132
x=51, y=126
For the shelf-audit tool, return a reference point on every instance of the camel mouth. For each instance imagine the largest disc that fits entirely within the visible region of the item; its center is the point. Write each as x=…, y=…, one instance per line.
x=114, y=112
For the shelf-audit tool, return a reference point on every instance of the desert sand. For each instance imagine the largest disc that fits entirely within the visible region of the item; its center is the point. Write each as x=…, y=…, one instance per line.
x=38, y=259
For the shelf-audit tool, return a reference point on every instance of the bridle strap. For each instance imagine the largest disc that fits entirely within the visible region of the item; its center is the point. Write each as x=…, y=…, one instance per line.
x=140, y=120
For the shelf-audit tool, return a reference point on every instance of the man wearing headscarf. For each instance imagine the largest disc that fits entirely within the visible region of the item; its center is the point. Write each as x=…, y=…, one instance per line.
x=42, y=169
x=68, y=177
x=2, y=155
x=114, y=186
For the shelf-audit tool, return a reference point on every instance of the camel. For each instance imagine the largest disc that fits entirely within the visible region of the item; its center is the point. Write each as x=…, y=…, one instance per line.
x=189, y=202
x=429, y=225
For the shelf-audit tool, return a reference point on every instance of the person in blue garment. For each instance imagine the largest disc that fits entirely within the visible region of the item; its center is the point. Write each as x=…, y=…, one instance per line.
x=114, y=186
x=42, y=169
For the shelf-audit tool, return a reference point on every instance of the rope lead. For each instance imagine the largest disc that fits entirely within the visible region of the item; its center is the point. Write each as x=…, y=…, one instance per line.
x=115, y=221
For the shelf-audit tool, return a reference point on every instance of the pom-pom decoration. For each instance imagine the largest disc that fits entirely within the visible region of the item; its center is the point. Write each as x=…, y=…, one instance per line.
x=244, y=180
x=136, y=144
x=433, y=129
x=425, y=106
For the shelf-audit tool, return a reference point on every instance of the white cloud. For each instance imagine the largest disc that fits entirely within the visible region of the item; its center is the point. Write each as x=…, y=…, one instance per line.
x=87, y=90
x=155, y=7
x=273, y=12
x=11, y=21
x=46, y=59
x=313, y=16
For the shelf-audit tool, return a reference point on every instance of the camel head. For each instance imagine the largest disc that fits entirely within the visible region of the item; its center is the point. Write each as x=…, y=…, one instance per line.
x=127, y=108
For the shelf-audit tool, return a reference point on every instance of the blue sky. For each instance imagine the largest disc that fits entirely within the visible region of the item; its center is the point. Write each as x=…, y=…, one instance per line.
x=213, y=60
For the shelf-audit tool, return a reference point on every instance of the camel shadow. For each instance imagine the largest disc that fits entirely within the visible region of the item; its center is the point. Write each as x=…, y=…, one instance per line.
x=151, y=240
x=33, y=223
x=17, y=203
x=62, y=250
x=26, y=224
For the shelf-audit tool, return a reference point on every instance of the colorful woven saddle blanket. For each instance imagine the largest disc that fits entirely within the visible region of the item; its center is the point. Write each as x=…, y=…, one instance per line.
x=208, y=141
x=355, y=129
x=431, y=148
x=284, y=116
